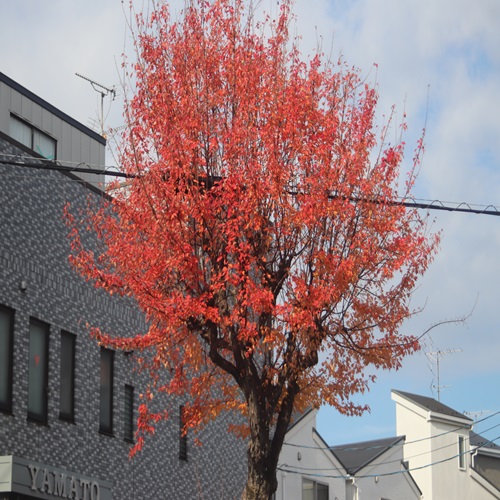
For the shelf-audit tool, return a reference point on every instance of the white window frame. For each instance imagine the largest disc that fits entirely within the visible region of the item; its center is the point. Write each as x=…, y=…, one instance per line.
x=462, y=462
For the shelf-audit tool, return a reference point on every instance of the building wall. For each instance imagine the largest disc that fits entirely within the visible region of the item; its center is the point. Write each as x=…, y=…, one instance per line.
x=431, y=450
x=75, y=142
x=411, y=423
x=315, y=463
x=380, y=478
x=34, y=248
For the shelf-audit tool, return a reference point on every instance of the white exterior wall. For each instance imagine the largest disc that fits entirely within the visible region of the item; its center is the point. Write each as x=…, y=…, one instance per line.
x=433, y=439
x=314, y=463
x=411, y=423
x=382, y=483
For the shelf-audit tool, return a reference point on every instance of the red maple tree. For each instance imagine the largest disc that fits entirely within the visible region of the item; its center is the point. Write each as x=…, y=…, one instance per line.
x=259, y=233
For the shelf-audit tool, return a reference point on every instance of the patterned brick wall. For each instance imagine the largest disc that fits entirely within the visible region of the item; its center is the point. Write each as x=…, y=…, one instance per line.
x=34, y=248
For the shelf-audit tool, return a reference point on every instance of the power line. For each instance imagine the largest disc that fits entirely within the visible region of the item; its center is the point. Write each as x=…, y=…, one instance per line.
x=389, y=447
x=353, y=447
x=51, y=165
x=407, y=202
x=391, y=473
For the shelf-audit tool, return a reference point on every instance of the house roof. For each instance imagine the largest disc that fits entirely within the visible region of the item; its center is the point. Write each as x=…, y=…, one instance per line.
x=297, y=416
x=356, y=456
x=482, y=442
x=431, y=404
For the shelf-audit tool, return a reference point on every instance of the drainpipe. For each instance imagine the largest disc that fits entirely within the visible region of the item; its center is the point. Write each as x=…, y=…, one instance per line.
x=283, y=492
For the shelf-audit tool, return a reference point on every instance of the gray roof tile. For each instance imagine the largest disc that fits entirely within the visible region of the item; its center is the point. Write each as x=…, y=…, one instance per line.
x=431, y=404
x=355, y=456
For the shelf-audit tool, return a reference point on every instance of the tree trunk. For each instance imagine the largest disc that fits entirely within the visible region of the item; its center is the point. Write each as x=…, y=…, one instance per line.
x=265, y=444
x=261, y=476
x=261, y=479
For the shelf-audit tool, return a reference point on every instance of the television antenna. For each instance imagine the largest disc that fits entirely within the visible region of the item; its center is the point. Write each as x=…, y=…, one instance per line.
x=474, y=415
x=104, y=91
x=435, y=357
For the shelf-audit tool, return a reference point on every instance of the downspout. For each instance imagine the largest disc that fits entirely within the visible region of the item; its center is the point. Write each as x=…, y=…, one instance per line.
x=283, y=475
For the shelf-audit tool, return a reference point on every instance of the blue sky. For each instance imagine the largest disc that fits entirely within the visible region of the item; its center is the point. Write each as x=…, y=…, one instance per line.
x=437, y=60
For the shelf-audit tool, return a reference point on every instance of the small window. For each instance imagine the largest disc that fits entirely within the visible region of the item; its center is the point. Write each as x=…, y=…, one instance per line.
x=38, y=370
x=106, y=391
x=312, y=490
x=128, y=414
x=6, y=357
x=183, y=444
x=33, y=138
x=67, y=377
x=461, y=452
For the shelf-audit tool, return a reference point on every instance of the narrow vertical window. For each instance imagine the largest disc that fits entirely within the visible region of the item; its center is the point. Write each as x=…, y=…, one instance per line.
x=183, y=445
x=67, y=377
x=106, y=391
x=128, y=414
x=461, y=452
x=38, y=370
x=6, y=356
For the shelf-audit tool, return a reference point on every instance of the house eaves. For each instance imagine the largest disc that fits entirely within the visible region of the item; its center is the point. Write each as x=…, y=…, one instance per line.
x=483, y=445
x=435, y=410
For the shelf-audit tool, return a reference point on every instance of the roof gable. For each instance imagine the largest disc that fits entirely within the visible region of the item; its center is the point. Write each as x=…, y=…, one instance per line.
x=431, y=405
x=356, y=456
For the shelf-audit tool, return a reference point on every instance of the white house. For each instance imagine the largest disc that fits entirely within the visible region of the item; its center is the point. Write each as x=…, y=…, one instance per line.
x=311, y=470
x=447, y=459
x=377, y=470
x=307, y=469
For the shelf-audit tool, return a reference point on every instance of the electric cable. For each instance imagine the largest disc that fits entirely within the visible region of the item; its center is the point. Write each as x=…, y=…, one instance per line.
x=407, y=202
x=350, y=447
x=391, y=473
x=387, y=462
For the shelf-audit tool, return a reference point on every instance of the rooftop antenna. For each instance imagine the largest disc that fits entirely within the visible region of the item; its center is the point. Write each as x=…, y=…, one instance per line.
x=435, y=357
x=104, y=91
x=474, y=415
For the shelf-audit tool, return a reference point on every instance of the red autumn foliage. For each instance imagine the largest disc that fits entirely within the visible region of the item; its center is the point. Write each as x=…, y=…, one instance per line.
x=259, y=234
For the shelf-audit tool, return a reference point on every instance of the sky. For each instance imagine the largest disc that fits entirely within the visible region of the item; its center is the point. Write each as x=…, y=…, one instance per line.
x=436, y=61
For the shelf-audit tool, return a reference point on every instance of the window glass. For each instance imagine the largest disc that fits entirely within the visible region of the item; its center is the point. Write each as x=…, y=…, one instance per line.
x=307, y=490
x=106, y=391
x=322, y=491
x=33, y=138
x=311, y=490
x=128, y=410
x=67, y=377
x=6, y=328
x=44, y=145
x=38, y=370
x=461, y=452
x=21, y=131
x=183, y=447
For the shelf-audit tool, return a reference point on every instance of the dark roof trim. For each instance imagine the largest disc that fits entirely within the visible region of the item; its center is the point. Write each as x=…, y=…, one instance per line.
x=328, y=449
x=49, y=107
x=482, y=442
x=430, y=404
x=297, y=417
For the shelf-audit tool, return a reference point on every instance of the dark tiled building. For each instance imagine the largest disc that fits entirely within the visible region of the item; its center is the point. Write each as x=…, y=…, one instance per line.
x=67, y=406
